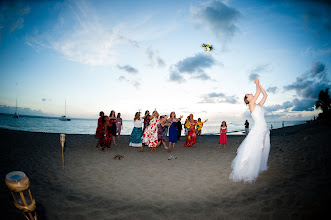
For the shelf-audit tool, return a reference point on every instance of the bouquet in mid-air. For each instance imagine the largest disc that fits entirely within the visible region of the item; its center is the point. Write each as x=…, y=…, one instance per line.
x=208, y=48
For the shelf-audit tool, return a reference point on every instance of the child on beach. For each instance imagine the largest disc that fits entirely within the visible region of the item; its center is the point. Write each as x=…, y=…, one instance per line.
x=173, y=129
x=99, y=128
x=137, y=132
x=105, y=139
x=199, y=127
x=119, y=125
x=223, y=138
x=179, y=129
x=146, y=120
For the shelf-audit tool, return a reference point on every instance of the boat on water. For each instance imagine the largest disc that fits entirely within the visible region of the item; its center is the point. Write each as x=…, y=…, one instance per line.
x=16, y=115
x=64, y=117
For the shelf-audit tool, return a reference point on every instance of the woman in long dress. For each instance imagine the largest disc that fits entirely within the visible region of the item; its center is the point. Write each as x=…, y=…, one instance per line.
x=149, y=137
x=191, y=136
x=137, y=132
x=253, y=152
x=173, y=129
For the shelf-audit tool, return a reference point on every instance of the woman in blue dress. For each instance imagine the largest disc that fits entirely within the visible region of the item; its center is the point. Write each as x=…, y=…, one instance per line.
x=173, y=129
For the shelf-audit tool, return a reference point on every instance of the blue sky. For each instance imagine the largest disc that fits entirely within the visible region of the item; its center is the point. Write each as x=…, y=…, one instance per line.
x=131, y=55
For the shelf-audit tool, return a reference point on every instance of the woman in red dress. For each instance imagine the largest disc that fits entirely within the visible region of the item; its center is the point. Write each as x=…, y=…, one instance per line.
x=99, y=127
x=223, y=131
x=192, y=136
x=105, y=139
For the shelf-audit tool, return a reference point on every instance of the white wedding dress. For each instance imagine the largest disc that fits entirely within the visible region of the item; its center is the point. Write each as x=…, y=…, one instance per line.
x=253, y=152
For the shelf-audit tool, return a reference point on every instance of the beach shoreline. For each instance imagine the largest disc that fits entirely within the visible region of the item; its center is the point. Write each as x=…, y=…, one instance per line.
x=145, y=185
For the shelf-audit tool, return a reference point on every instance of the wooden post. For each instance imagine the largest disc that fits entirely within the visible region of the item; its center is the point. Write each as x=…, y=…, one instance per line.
x=62, y=140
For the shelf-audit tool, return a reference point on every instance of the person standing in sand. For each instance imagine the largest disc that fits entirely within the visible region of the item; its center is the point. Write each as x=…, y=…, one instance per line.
x=160, y=137
x=223, y=138
x=105, y=139
x=112, y=121
x=119, y=125
x=199, y=127
x=191, y=136
x=173, y=129
x=179, y=129
x=137, y=132
x=149, y=137
x=246, y=127
x=99, y=128
x=253, y=152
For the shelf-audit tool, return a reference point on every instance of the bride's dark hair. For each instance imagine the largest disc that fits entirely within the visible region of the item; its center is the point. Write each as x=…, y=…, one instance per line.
x=245, y=100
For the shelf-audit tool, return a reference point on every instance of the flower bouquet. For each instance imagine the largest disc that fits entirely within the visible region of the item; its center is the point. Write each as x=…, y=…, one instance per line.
x=208, y=48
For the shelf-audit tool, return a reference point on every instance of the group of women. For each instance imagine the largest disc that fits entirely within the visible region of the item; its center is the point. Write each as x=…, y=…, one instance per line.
x=153, y=134
x=252, y=154
x=108, y=128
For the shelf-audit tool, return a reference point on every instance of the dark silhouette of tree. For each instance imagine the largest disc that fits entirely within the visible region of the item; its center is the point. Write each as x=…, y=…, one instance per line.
x=324, y=103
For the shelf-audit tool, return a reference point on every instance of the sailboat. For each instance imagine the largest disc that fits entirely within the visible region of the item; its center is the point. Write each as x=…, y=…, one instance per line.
x=64, y=117
x=16, y=115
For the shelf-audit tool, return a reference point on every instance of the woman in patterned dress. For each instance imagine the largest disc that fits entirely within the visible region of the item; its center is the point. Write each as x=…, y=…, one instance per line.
x=105, y=138
x=150, y=134
x=191, y=137
x=137, y=132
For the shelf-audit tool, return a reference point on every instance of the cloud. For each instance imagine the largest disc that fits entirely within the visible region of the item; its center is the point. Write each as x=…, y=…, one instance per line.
x=134, y=82
x=310, y=83
x=81, y=35
x=22, y=111
x=218, y=17
x=252, y=76
x=194, y=66
x=154, y=58
x=272, y=89
x=258, y=69
x=219, y=98
x=294, y=105
x=12, y=15
x=128, y=69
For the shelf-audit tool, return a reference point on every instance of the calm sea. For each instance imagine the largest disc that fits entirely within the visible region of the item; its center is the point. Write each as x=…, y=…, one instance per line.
x=88, y=126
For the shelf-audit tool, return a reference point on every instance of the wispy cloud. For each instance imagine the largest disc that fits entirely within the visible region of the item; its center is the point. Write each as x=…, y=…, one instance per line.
x=218, y=17
x=133, y=82
x=80, y=36
x=273, y=89
x=12, y=14
x=194, y=66
x=128, y=69
x=154, y=58
x=258, y=69
x=219, y=98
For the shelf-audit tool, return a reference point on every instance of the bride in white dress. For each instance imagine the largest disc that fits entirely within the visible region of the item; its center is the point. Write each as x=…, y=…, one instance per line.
x=253, y=152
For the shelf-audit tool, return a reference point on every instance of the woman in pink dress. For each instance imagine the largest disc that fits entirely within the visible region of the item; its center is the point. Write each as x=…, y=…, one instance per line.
x=223, y=131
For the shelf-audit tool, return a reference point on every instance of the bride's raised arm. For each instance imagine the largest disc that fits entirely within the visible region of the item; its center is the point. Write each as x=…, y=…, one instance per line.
x=258, y=91
x=261, y=103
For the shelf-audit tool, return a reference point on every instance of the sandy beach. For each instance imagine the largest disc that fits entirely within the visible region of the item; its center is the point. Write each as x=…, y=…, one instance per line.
x=145, y=185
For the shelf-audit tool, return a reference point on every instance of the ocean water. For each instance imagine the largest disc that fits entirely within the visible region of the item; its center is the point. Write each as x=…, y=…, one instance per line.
x=88, y=126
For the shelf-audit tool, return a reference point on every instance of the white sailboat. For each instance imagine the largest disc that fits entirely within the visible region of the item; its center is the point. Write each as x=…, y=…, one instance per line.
x=16, y=115
x=64, y=117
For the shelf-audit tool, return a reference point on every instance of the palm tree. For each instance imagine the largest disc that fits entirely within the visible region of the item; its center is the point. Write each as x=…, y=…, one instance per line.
x=324, y=103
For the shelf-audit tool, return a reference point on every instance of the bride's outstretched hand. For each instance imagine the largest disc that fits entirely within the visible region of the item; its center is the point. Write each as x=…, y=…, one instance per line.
x=256, y=81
